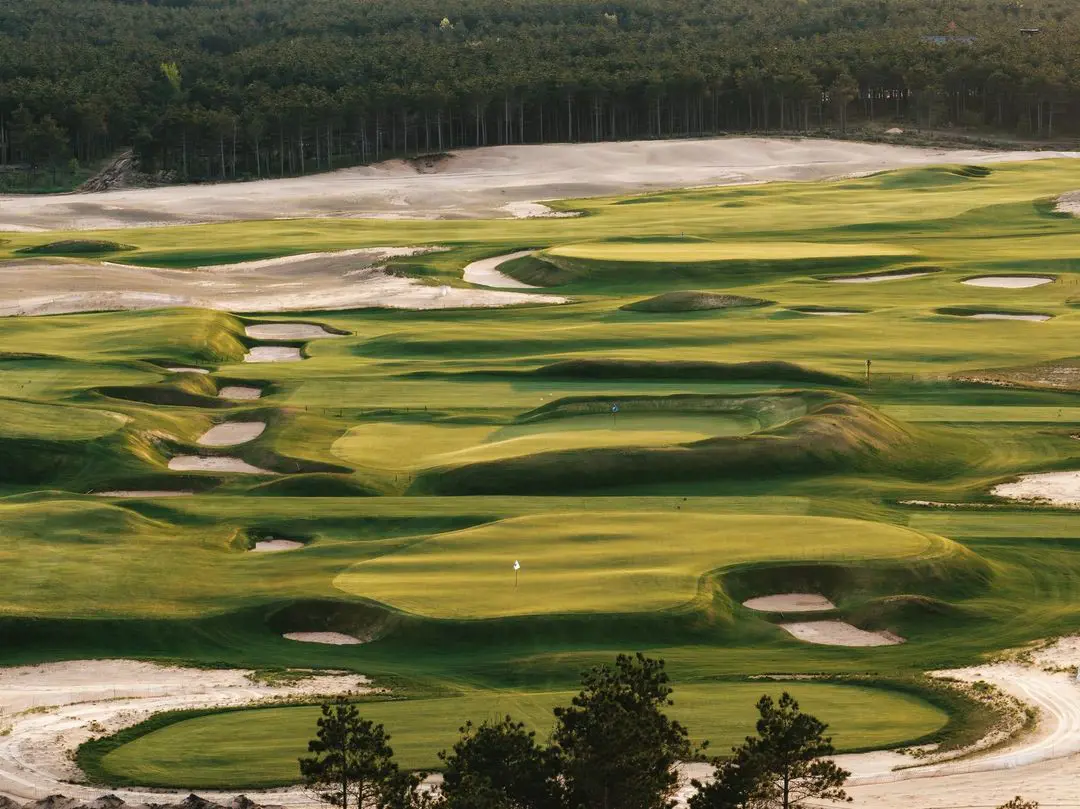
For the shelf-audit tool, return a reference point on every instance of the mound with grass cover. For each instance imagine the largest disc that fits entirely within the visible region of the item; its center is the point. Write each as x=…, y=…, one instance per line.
x=691, y=301
x=75, y=247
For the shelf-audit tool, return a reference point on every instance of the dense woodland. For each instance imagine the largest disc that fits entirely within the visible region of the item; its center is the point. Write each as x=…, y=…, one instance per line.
x=212, y=89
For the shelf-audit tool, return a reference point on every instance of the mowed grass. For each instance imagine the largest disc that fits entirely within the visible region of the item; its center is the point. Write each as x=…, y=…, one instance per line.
x=606, y=562
x=259, y=748
x=396, y=445
x=670, y=252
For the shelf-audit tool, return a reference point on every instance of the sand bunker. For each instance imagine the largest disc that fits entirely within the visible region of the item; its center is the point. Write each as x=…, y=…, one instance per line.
x=1053, y=488
x=239, y=393
x=144, y=493
x=51, y=709
x=232, y=433
x=330, y=638
x=273, y=354
x=349, y=279
x=1002, y=316
x=1008, y=281
x=790, y=602
x=874, y=279
x=486, y=183
x=199, y=463
x=288, y=331
x=485, y=272
x=182, y=370
x=839, y=633
x=276, y=545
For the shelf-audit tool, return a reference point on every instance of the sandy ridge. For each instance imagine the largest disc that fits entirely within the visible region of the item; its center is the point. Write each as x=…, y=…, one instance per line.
x=489, y=182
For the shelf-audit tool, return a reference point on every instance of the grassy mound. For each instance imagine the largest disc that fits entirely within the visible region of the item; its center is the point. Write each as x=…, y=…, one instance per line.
x=75, y=247
x=686, y=370
x=691, y=301
x=188, y=259
x=607, y=562
x=313, y=484
x=839, y=434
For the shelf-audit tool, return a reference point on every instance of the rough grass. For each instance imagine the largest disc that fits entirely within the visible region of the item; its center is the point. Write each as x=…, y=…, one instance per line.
x=76, y=247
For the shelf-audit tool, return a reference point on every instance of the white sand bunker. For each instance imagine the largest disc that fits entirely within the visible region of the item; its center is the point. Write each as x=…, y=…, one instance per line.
x=1008, y=281
x=276, y=545
x=1053, y=488
x=330, y=638
x=198, y=463
x=184, y=370
x=874, y=279
x=839, y=633
x=232, y=433
x=145, y=493
x=273, y=354
x=485, y=272
x=239, y=393
x=1004, y=316
x=288, y=331
x=790, y=602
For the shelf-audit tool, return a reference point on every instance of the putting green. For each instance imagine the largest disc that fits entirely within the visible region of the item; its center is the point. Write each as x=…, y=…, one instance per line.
x=698, y=251
x=259, y=748
x=399, y=445
x=605, y=562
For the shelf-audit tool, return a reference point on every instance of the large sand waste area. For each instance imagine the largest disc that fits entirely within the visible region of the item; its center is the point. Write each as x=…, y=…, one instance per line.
x=48, y=710
x=485, y=183
x=342, y=280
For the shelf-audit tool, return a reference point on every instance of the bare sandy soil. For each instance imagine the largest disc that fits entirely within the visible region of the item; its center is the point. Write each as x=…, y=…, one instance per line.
x=1000, y=316
x=342, y=280
x=273, y=354
x=197, y=463
x=485, y=272
x=1055, y=488
x=877, y=279
x=790, y=602
x=485, y=183
x=232, y=433
x=1009, y=281
x=838, y=633
x=329, y=638
x=239, y=393
x=276, y=545
x=46, y=711
x=287, y=331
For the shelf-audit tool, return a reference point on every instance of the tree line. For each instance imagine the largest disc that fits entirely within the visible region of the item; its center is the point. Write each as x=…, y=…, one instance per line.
x=613, y=747
x=217, y=89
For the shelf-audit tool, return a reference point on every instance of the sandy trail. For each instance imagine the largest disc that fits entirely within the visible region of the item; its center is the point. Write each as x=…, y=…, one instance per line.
x=486, y=183
x=485, y=272
x=65, y=698
x=347, y=279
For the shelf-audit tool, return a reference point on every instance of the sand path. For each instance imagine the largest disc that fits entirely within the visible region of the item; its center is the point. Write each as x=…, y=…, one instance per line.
x=65, y=698
x=490, y=182
x=347, y=279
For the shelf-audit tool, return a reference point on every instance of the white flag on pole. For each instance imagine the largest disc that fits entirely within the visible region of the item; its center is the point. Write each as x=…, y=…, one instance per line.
x=517, y=565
